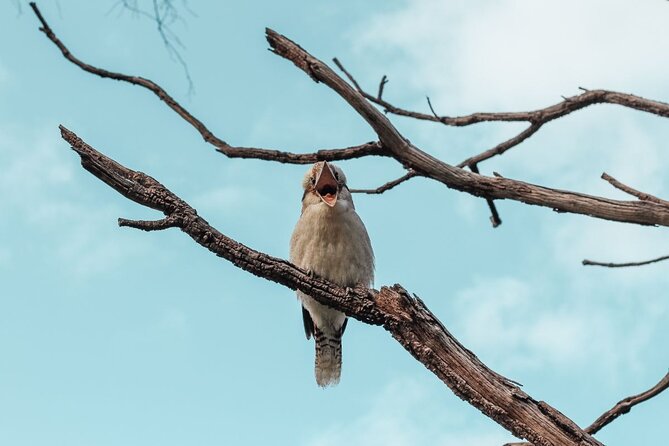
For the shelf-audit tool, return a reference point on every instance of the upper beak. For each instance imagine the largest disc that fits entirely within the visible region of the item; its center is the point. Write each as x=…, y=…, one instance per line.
x=326, y=185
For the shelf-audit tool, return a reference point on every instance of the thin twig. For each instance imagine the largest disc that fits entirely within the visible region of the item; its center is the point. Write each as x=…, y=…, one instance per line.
x=389, y=185
x=382, y=84
x=502, y=147
x=625, y=405
x=494, y=215
x=629, y=190
x=624, y=265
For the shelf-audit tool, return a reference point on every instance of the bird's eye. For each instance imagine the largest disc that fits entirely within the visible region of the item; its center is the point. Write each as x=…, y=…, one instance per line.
x=313, y=180
x=336, y=175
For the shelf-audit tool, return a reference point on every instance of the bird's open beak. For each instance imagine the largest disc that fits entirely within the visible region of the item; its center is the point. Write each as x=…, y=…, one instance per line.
x=326, y=186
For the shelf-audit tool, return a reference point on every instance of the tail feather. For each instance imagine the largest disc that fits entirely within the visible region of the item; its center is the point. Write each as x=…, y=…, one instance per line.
x=328, y=358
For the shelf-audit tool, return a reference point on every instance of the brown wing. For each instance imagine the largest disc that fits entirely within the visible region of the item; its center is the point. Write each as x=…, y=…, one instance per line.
x=308, y=323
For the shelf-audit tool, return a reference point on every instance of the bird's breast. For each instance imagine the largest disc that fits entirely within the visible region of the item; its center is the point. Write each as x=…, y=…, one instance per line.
x=334, y=245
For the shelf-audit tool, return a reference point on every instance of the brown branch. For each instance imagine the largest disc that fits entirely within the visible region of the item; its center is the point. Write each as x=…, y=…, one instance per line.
x=502, y=147
x=410, y=156
x=621, y=408
x=639, y=212
x=625, y=405
x=623, y=265
x=536, y=118
x=150, y=225
x=494, y=215
x=404, y=316
x=367, y=149
x=629, y=190
x=539, y=116
x=385, y=187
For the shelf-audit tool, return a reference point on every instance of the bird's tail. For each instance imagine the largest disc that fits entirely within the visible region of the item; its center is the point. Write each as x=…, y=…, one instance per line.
x=328, y=358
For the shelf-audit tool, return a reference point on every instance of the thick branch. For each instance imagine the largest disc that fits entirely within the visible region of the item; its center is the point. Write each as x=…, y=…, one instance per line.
x=367, y=149
x=406, y=318
x=645, y=213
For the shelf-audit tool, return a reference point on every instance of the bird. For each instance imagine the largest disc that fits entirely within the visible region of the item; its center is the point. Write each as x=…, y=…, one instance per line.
x=330, y=241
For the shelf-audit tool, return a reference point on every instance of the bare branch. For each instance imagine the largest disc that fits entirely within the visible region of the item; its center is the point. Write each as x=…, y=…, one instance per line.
x=494, y=215
x=502, y=147
x=406, y=318
x=539, y=116
x=625, y=405
x=382, y=84
x=536, y=118
x=625, y=188
x=367, y=149
x=646, y=213
x=624, y=265
x=621, y=408
x=385, y=187
x=393, y=144
x=150, y=225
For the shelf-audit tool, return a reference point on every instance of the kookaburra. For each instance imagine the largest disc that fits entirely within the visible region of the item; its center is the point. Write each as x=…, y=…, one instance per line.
x=331, y=242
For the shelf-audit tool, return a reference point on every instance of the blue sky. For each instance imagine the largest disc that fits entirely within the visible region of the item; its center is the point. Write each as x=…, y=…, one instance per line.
x=113, y=336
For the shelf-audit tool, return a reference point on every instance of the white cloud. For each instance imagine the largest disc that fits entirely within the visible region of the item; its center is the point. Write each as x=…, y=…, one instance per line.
x=38, y=192
x=517, y=325
x=520, y=53
x=404, y=414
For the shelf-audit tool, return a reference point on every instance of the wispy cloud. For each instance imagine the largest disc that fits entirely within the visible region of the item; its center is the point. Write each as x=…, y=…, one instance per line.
x=520, y=53
x=38, y=192
x=520, y=324
x=405, y=413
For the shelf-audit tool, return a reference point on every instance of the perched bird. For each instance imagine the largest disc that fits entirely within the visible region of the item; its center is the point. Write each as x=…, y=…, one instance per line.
x=331, y=242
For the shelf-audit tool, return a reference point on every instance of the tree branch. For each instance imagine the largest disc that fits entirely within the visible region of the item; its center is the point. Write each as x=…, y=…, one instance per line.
x=405, y=317
x=536, y=118
x=387, y=186
x=395, y=145
x=621, y=408
x=645, y=213
x=494, y=215
x=587, y=262
x=625, y=405
x=629, y=190
x=367, y=149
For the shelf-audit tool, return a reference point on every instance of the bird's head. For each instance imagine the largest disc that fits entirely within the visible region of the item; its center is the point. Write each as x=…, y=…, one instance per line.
x=325, y=183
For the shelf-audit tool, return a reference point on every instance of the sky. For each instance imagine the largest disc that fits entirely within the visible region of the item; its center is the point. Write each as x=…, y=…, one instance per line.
x=114, y=336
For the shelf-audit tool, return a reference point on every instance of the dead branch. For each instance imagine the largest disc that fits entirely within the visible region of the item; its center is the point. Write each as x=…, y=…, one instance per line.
x=621, y=408
x=393, y=144
x=587, y=262
x=494, y=215
x=629, y=190
x=535, y=118
x=367, y=149
x=387, y=186
x=402, y=150
x=625, y=405
x=405, y=317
